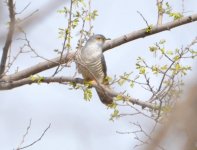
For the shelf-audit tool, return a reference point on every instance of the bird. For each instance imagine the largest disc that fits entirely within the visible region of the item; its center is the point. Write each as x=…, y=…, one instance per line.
x=91, y=64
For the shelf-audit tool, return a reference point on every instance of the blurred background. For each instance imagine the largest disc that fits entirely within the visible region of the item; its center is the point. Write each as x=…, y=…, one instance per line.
x=76, y=123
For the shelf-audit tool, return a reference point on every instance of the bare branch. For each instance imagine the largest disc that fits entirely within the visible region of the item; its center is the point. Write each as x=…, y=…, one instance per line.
x=143, y=18
x=45, y=12
x=30, y=22
x=183, y=6
x=36, y=141
x=66, y=37
x=110, y=92
x=90, y=21
x=25, y=135
x=9, y=37
x=142, y=33
x=38, y=68
x=160, y=12
x=109, y=45
x=20, y=12
x=24, y=81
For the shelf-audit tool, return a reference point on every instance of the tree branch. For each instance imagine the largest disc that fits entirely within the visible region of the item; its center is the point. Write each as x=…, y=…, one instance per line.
x=36, y=141
x=143, y=33
x=25, y=135
x=63, y=79
x=29, y=22
x=25, y=81
x=109, y=45
x=38, y=68
x=160, y=12
x=9, y=37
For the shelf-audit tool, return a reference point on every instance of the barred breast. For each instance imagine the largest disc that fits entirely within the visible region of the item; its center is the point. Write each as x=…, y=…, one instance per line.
x=91, y=69
x=94, y=69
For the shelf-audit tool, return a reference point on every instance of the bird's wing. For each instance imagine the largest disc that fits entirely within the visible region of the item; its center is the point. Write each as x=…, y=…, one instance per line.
x=104, y=68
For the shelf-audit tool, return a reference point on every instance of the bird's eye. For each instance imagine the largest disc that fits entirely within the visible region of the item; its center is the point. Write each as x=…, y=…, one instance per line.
x=99, y=39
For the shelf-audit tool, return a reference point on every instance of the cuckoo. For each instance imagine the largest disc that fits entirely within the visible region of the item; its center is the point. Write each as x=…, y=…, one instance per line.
x=91, y=64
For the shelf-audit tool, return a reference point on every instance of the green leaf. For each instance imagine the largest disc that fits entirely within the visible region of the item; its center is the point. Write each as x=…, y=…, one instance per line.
x=75, y=22
x=162, y=50
x=176, y=15
x=149, y=28
x=40, y=79
x=115, y=114
x=155, y=69
x=108, y=78
x=142, y=70
x=87, y=83
x=176, y=58
x=168, y=8
x=162, y=41
x=121, y=82
x=32, y=78
x=112, y=106
x=169, y=52
x=153, y=48
x=132, y=84
x=177, y=66
x=124, y=78
x=94, y=14
x=164, y=67
x=119, y=97
x=37, y=78
x=87, y=94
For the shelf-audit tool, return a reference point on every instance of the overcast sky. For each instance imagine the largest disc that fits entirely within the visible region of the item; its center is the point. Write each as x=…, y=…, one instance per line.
x=75, y=123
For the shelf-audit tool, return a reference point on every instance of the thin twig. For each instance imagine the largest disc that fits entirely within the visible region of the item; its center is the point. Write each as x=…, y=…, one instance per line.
x=90, y=20
x=27, y=17
x=11, y=62
x=183, y=7
x=36, y=141
x=143, y=18
x=20, y=12
x=66, y=37
x=30, y=22
x=25, y=135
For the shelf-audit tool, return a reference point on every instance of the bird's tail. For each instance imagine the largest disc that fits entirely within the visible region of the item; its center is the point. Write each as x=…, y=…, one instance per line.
x=104, y=97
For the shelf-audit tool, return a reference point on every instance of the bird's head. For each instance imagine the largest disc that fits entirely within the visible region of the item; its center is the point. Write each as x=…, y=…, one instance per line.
x=98, y=39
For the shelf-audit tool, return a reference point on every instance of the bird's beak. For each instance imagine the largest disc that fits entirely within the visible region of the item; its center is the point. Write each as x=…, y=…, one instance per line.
x=107, y=39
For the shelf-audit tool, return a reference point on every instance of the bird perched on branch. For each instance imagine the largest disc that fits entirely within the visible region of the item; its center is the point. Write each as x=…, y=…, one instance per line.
x=91, y=64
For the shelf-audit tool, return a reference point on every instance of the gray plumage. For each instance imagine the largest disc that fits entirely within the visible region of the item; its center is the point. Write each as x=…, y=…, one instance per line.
x=91, y=64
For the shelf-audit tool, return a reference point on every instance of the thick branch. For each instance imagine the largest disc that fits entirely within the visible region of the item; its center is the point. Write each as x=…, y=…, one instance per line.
x=142, y=33
x=9, y=37
x=109, y=45
x=25, y=81
x=39, y=68
x=112, y=93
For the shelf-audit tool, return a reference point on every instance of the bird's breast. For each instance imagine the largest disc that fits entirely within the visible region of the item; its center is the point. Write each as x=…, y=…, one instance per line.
x=91, y=53
x=91, y=67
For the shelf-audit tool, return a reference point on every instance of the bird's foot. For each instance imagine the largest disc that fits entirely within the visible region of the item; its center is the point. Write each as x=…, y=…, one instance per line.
x=90, y=83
